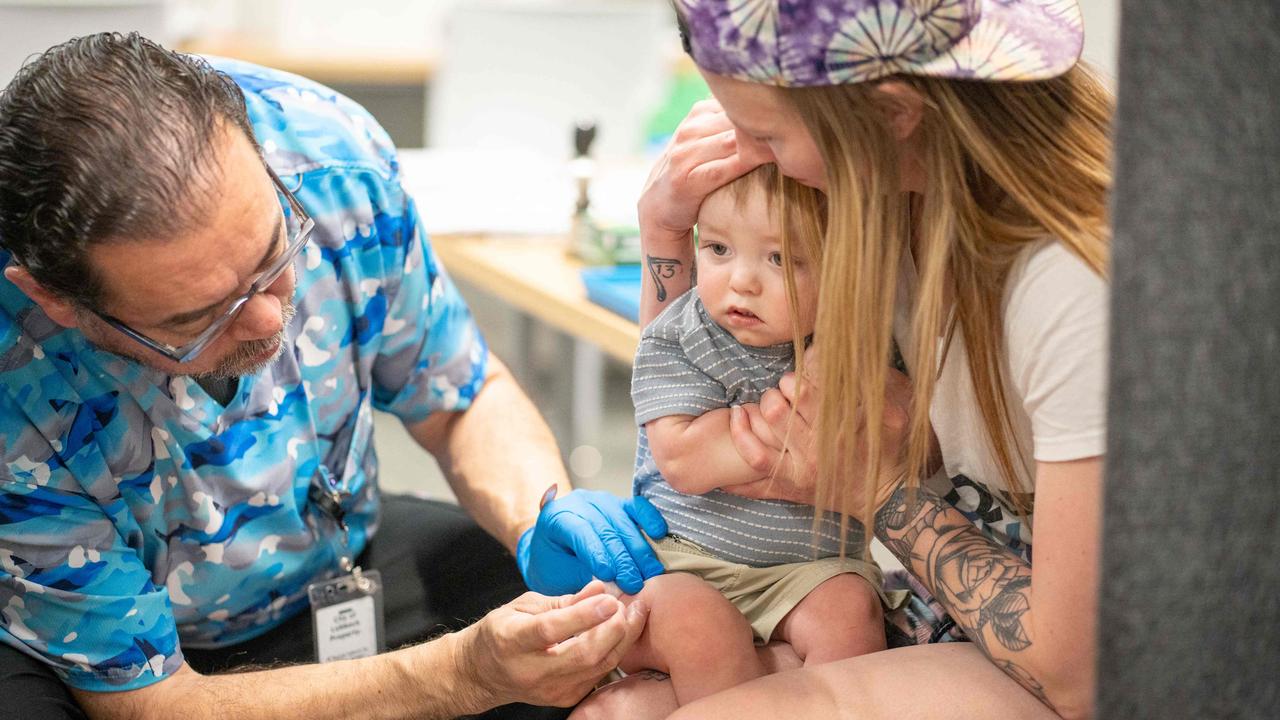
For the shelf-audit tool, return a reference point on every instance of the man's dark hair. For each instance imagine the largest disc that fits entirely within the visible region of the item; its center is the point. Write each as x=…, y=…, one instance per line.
x=106, y=138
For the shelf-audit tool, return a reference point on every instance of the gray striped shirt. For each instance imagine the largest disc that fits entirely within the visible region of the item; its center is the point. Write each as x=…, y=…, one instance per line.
x=688, y=365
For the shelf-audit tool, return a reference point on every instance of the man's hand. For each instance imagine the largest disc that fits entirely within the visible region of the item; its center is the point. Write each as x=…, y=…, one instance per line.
x=549, y=650
x=589, y=534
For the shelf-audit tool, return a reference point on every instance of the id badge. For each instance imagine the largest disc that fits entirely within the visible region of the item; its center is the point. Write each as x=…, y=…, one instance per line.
x=346, y=616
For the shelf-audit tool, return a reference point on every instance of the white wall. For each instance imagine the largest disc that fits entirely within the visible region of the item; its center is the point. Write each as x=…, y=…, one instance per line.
x=1101, y=34
x=380, y=26
x=28, y=27
x=519, y=74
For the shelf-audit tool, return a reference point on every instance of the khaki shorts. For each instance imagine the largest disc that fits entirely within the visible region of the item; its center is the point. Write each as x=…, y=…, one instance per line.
x=764, y=595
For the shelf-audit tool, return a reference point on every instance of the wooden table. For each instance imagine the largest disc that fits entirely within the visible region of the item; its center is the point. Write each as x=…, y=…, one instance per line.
x=537, y=277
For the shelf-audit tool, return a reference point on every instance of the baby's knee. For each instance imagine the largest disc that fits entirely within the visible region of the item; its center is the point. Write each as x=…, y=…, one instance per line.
x=840, y=618
x=670, y=593
x=687, y=612
x=850, y=595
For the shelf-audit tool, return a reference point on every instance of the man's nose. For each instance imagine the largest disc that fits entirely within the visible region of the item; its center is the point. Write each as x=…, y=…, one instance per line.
x=262, y=315
x=752, y=150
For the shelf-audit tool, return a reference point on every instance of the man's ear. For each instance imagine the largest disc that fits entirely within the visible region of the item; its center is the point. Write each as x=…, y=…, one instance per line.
x=59, y=310
x=903, y=107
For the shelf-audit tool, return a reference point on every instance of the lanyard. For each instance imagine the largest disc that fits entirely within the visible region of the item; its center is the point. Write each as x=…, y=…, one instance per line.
x=326, y=494
x=331, y=496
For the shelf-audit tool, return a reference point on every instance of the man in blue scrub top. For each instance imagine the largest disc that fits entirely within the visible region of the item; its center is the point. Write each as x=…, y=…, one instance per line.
x=212, y=277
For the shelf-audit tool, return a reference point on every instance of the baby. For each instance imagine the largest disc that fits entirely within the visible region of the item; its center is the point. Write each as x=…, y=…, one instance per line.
x=740, y=571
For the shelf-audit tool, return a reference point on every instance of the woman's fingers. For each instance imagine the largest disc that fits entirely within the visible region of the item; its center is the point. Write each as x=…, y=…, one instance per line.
x=786, y=423
x=788, y=387
x=704, y=118
x=718, y=172
x=783, y=422
x=758, y=455
x=705, y=161
x=778, y=487
x=800, y=394
x=702, y=156
x=786, y=475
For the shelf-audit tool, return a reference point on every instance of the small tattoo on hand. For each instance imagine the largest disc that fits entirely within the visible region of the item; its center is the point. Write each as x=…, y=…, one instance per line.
x=662, y=269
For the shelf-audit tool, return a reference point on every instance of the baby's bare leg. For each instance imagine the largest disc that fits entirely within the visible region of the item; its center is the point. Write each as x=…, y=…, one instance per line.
x=694, y=635
x=648, y=695
x=841, y=618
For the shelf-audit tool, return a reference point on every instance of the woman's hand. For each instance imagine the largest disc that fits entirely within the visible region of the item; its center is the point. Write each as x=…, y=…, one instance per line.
x=775, y=438
x=702, y=156
x=790, y=412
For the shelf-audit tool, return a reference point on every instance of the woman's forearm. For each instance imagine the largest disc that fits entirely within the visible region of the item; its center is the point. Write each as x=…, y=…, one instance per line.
x=986, y=588
x=668, y=270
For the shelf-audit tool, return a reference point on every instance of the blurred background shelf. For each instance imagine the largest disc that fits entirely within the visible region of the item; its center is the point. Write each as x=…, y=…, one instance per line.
x=327, y=66
x=537, y=277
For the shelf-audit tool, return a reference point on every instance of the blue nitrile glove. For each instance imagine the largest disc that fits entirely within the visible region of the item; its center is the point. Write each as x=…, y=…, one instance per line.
x=586, y=534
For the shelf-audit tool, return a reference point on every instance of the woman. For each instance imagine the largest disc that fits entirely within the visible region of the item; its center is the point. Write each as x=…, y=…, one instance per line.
x=965, y=158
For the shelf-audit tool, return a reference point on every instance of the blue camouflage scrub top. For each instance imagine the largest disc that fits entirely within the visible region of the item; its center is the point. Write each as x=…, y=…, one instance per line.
x=137, y=515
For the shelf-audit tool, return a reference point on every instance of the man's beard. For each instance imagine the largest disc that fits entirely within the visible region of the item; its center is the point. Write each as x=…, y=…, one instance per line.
x=246, y=358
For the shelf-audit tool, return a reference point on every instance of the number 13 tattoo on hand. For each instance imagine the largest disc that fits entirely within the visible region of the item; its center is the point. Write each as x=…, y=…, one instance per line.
x=662, y=269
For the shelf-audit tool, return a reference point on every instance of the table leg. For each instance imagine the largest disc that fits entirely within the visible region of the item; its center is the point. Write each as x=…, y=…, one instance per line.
x=523, y=364
x=587, y=410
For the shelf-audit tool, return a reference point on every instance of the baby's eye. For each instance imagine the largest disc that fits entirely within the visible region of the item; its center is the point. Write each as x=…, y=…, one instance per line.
x=717, y=248
x=776, y=258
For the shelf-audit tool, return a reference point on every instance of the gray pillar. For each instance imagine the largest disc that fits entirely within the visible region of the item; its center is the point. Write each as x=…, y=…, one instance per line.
x=1190, y=618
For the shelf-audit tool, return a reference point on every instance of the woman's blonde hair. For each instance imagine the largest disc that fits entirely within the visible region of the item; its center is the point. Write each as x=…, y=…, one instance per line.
x=1007, y=164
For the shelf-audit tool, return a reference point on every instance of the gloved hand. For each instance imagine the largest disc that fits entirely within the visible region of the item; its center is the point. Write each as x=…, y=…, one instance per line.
x=586, y=534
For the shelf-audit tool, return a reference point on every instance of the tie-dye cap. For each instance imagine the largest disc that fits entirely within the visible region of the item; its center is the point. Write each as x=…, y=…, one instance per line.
x=805, y=43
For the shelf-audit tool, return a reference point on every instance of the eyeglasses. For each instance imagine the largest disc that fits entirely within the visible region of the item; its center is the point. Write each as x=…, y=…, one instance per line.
x=299, y=226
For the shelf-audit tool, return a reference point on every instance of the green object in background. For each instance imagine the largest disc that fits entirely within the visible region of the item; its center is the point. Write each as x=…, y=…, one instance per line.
x=685, y=88
x=596, y=244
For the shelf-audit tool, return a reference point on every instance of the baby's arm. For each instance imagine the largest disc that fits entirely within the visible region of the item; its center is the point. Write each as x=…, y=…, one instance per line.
x=696, y=454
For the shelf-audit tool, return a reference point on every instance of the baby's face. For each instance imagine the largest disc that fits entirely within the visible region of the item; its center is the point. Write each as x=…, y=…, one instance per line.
x=740, y=276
